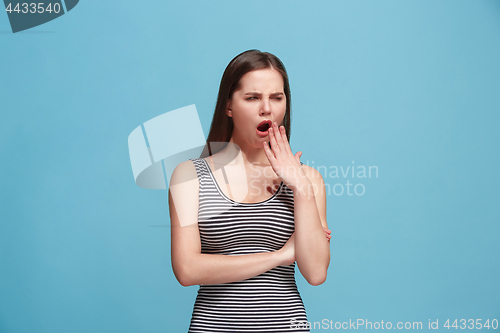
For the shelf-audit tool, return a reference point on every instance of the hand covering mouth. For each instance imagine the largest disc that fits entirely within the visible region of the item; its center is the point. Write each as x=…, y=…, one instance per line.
x=264, y=125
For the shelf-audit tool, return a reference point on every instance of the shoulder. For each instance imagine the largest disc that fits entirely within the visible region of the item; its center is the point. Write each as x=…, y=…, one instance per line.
x=184, y=172
x=183, y=192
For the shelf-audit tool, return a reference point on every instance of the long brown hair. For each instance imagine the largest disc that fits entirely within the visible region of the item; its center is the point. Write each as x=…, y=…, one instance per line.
x=221, y=128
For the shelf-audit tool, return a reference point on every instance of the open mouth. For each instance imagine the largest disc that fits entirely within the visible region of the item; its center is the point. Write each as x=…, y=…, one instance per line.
x=264, y=126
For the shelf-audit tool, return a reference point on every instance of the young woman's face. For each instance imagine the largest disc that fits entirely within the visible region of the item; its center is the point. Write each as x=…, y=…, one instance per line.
x=260, y=97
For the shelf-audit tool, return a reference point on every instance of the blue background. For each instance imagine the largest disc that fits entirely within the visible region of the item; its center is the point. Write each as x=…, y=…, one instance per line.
x=411, y=87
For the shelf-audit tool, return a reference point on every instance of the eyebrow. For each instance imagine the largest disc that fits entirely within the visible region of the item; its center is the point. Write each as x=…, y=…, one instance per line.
x=258, y=93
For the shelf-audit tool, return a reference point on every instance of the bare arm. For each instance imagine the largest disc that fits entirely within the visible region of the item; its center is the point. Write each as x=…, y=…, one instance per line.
x=312, y=250
x=190, y=266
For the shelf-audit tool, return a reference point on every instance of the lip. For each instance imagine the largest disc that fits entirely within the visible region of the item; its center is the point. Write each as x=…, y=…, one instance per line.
x=262, y=134
x=265, y=133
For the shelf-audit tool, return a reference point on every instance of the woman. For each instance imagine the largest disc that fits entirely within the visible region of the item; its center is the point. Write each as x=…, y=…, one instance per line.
x=244, y=212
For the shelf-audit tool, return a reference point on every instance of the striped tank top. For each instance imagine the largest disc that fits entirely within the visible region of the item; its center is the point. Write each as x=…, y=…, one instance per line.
x=268, y=302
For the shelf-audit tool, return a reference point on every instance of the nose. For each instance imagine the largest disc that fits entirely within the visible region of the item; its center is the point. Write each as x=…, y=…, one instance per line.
x=265, y=107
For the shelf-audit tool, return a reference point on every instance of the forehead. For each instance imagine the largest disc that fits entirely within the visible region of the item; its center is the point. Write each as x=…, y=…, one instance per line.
x=262, y=80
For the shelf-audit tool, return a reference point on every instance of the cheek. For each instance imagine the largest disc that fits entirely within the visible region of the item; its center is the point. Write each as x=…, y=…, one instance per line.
x=282, y=106
x=242, y=114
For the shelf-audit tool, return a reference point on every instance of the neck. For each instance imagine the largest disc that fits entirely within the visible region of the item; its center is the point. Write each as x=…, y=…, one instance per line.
x=240, y=150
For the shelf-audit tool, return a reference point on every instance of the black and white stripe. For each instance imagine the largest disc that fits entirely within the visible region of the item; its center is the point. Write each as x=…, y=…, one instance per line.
x=269, y=302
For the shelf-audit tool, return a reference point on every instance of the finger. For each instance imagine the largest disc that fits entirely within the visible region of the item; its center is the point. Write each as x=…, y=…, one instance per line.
x=298, y=155
x=269, y=154
x=279, y=139
x=276, y=137
x=274, y=143
x=284, y=139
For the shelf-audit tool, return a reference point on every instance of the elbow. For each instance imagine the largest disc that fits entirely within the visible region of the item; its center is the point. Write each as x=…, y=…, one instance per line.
x=185, y=283
x=183, y=276
x=183, y=280
x=317, y=279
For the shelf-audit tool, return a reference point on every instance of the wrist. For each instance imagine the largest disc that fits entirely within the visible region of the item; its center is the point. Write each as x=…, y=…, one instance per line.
x=278, y=257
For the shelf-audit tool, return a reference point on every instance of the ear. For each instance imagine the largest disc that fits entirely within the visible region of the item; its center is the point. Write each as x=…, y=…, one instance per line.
x=229, y=112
